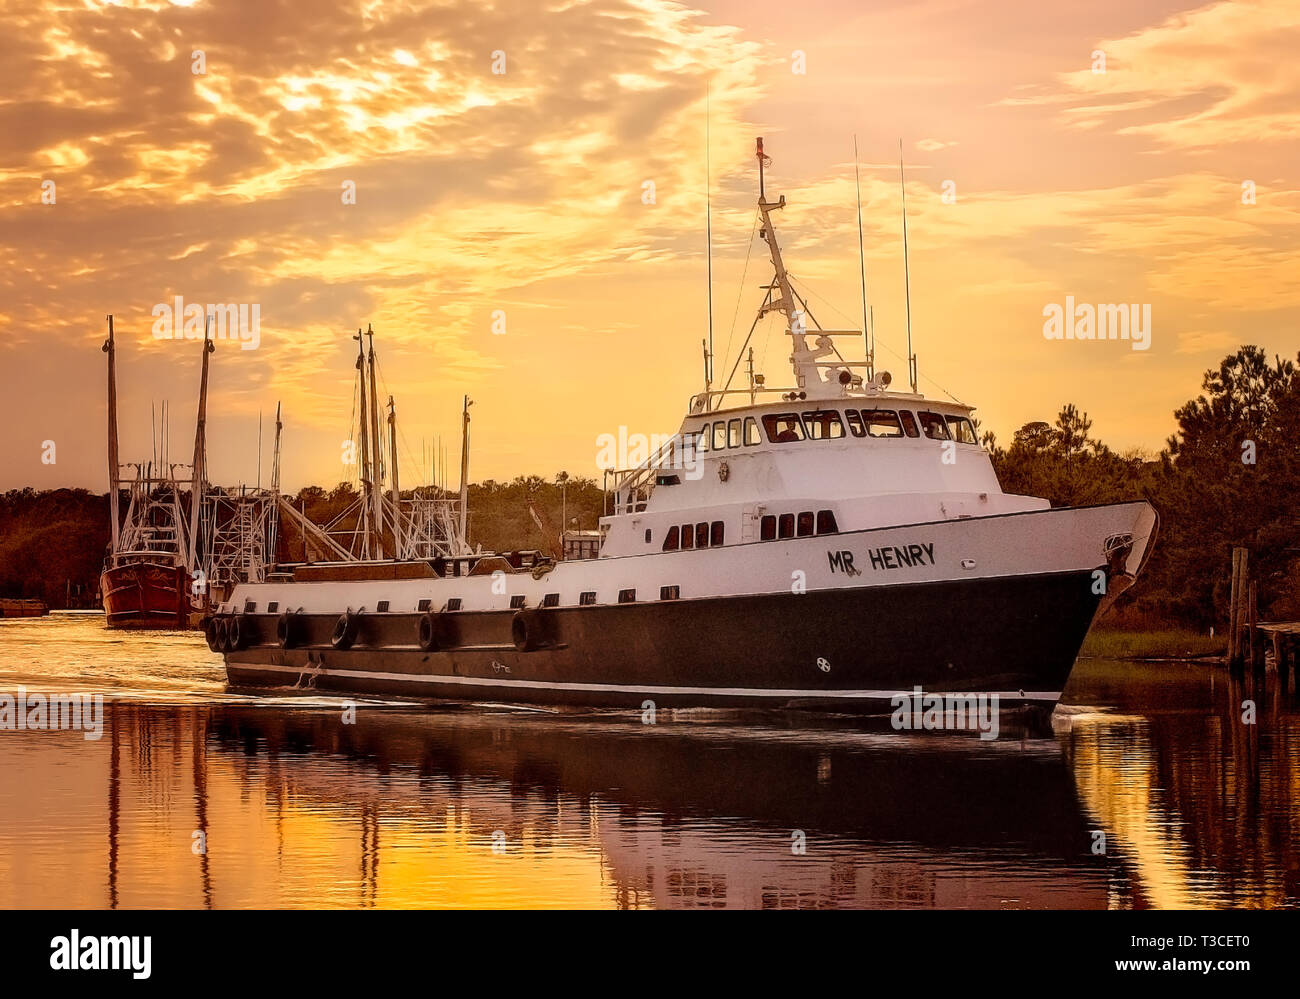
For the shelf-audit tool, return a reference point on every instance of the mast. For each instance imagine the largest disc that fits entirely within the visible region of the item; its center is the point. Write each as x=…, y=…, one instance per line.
x=198, y=482
x=397, y=492
x=110, y=348
x=907, y=280
x=802, y=358
x=376, y=452
x=366, y=486
x=464, y=469
x=273, y=515
x=862, y=269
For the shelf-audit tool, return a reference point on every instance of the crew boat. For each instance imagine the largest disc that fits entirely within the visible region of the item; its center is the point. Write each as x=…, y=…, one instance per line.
x=830, y=545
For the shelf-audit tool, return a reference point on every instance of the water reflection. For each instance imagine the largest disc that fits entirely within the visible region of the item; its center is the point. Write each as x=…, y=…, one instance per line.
x=195, y=797
x=1201, y=806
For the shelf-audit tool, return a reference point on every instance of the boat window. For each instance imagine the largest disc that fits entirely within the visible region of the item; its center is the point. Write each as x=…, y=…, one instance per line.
x=647, y=535
x=688, y=537
x=719, y=436
x=824, y=424
x=715, y=533
x=670, y=540
x=786, y=525
x=767, y=528
x=250, y=606
x=733, y=433
x=805, y=524
x=909, y=423
x=587, y=597
x=627, y=596
x=854, y=419
x=702, y=440
x=826, y=522
x=933, y=426
x=517, y=601
x=453, y=604
x=783, y=428
x=273, y=606
x=670, y=592
x=702, y=534
x=751, y=431
x=424, y=605
x=551, y=600
x=962, y=430
x=382, y=606
x=882, y=423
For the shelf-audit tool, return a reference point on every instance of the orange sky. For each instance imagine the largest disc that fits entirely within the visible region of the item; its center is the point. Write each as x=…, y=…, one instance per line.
x=522, y=192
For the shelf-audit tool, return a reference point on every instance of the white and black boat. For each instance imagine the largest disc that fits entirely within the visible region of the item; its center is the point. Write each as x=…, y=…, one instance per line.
x=826, y=545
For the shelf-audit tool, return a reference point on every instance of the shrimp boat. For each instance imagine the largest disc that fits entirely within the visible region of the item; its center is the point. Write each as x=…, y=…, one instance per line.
x=151, y=566
x=830, y=545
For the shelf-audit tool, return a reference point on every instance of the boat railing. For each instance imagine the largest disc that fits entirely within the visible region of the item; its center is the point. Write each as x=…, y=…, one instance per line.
x=631, y=487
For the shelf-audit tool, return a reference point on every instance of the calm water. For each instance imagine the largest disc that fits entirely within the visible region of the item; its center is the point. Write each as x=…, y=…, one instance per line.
x=488, y=806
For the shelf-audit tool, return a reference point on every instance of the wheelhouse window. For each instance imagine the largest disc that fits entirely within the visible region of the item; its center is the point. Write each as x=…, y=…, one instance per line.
x=962, y=430
x=751, y=432
x=933, y=426
x=702, y=534
x=826, y=522
x=733, y=433
x=767, y=528
x=719, y=435
x=805, y=524
x=882, y=423
x=702, y=440
x=785, y=525
x=783, y=428
x=854, y=420
x=670, y=540
x=688, y=537
x=716, y=531
x=823, y=424
x=909, y=423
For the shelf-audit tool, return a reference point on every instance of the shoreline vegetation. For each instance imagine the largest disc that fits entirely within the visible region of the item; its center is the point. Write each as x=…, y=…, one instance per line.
x=1227, y=476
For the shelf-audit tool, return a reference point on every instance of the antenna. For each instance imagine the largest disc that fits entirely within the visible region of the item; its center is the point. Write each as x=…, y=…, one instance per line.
x=708, y=239
x=862, y=267
x=907, y=279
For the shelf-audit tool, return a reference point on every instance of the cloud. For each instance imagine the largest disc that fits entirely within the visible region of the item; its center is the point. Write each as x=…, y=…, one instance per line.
x=1223, y=73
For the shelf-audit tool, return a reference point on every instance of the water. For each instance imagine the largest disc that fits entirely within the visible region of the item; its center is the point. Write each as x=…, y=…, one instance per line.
x=489, y=806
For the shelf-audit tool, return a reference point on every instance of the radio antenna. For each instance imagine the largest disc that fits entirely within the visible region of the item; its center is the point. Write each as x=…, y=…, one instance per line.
x=862, y=267
x=708, y=240
x=907, y=279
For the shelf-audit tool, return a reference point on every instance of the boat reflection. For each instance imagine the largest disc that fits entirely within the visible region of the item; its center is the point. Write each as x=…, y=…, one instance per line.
x=472, y=807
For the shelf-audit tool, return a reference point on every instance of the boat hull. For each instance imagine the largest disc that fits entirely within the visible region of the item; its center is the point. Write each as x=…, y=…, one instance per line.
x=996, y=605
x=146, y=595
x=843, y=650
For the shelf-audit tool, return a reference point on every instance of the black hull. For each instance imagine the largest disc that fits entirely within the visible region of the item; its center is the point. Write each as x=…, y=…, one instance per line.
x=838, y=650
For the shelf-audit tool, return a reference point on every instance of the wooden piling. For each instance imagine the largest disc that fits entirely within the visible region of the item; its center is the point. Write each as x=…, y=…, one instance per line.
x=1234, y=607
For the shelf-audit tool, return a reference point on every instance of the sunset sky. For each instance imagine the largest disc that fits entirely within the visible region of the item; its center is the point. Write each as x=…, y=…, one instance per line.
x=522, y=192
